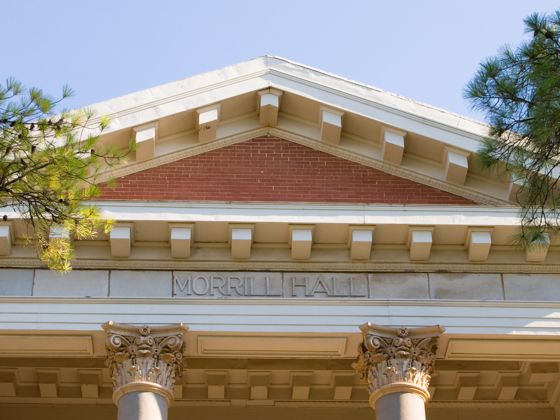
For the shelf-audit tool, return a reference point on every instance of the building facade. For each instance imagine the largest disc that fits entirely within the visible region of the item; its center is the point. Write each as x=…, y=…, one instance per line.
x=286, y=243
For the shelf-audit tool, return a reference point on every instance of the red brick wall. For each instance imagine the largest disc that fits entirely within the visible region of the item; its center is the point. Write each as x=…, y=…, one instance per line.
x=274, y=170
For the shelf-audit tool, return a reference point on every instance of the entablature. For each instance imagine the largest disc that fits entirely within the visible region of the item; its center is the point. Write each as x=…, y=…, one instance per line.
x=228, y=236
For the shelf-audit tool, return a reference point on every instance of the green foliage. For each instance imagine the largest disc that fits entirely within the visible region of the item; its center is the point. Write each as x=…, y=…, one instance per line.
x=519, y=91
x=48, y=166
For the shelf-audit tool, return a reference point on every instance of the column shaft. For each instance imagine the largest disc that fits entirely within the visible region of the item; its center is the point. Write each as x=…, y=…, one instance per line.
x=400, y=406
x=142, y=406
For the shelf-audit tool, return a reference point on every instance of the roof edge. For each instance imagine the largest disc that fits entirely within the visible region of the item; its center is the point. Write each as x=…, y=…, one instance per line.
x=269, y=63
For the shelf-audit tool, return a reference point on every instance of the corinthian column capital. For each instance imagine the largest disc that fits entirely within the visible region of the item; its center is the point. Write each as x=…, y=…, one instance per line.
x=397, y=359
x=144, y=358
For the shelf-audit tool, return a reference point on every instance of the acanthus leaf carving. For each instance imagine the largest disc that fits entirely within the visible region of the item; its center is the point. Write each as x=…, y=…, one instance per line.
x=389, y=356
x=144, y=354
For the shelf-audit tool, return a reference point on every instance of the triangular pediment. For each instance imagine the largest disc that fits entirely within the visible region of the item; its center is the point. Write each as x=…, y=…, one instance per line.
x=271, y=169
x=270, y=96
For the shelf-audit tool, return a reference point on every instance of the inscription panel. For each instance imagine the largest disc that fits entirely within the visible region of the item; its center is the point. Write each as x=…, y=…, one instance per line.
x=203, y=284
x=281, y=285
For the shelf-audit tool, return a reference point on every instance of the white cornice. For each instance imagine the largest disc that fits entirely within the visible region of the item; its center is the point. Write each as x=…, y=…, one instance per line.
x=380, y=96
x=313, y=266
x=414, y=117
x=307, y=213
x=211, y=251
x=439, y=303
x=310, y=213
x=192, y=92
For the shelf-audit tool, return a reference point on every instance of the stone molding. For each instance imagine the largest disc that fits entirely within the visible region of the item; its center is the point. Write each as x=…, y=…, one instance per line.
x=282, y=285
x=143, y=358
x=397, y=359
x=139, y=264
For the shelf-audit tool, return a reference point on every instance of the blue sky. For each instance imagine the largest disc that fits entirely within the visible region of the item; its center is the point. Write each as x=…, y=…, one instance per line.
x=426, y=50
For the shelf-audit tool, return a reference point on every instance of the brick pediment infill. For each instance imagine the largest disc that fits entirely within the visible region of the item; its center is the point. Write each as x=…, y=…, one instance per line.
x=269, y=169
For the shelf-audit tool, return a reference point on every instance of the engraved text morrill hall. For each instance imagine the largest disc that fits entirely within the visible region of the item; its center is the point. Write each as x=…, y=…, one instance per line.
x=265, y=284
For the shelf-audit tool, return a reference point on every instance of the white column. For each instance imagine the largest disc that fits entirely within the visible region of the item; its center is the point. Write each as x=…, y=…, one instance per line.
x=397, y=363
x=144, y=362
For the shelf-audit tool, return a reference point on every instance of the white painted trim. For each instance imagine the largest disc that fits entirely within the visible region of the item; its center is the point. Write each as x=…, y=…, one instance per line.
x=362, y=105
x=304, y=213
x=458, y=317
x=309, y=213
x=269, y=71
x=379, y=96
x=295, y=266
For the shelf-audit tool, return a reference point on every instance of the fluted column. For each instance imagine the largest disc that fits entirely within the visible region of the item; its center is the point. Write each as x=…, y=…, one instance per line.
x=144, y=362
x=397, y=364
